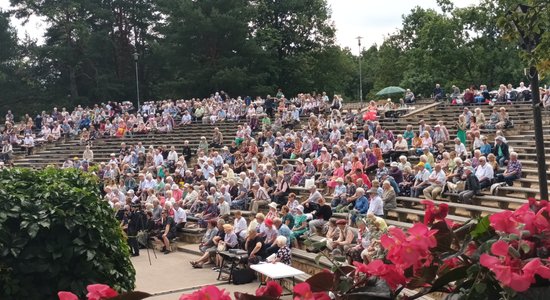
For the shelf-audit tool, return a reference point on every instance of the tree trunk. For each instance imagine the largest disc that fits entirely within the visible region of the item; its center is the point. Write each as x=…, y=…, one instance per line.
x=73, y=86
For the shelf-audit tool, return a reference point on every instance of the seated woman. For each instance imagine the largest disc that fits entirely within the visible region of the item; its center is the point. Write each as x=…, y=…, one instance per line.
x=254, y=247
x=298, y=173
x=300, y=225
x=208, y=245
x=167, y=232
x=332, y=235
x=284, y=254
x=230, y=241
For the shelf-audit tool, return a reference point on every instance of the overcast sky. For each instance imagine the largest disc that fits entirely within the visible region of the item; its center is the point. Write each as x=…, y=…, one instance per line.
x=373, y=20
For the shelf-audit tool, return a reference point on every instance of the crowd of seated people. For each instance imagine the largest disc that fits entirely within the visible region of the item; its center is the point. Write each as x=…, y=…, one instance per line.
x=479, y=95
x=340, y=165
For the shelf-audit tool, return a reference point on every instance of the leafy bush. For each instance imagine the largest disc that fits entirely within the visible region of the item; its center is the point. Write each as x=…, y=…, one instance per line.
x=57, y=234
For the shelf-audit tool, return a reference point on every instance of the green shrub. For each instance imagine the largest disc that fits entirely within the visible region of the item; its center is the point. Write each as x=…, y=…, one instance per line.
x=57, y=234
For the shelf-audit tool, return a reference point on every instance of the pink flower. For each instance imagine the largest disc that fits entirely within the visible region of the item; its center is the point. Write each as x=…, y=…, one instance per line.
x=100, y=291
x=389, y=273
x=504, y=222
x=510, y=271
x=209, y=292
x=271, y=289
x=411, y=249
x=302, y=291
x=434, y=212
x=66, y=296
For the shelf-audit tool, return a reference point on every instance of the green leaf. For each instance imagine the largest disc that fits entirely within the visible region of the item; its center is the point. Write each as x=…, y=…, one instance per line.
x=33, y=230
x=90, y=255
x=481, y=228
x=525, y=247
x=480, y=287
x=453, y=275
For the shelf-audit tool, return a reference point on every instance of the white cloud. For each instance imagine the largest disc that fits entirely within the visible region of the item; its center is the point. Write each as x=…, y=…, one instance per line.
x=374, y=20
x=34, y=27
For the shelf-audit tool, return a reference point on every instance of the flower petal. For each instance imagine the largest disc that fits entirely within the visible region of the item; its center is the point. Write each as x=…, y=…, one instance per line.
x=63, y=295
x=500, y=248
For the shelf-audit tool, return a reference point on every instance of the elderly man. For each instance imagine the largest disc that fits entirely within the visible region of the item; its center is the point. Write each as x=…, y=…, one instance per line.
x=513, y=170
x=312, y=201
x=420, y=180
x=437, y=181
x=471, y=186
x=484, y=173
x=261, y=197
x=501, y=151
x=460, y=149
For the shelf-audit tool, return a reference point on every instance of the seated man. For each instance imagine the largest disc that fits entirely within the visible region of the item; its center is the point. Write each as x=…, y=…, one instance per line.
x=223, y=207
x=344, y=241
x=437, y=181
x=320, y=216
x=471, y=186
x=484, y=173
x=180, y=217
x=420, y=181
x=501, y=151
x=513, y=170
x=312, y=201
x=210, y=212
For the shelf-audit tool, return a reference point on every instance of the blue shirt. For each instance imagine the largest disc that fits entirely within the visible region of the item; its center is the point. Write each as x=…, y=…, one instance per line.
x=485, y=149
x=286, y=232
x=362, y=204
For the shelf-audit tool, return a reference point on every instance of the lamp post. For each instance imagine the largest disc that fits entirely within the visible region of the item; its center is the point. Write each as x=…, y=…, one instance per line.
x=360, y=72
x=136, y=58
x=529, y=40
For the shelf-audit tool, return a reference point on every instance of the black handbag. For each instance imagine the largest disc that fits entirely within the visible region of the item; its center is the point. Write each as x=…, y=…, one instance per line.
x=243, y=276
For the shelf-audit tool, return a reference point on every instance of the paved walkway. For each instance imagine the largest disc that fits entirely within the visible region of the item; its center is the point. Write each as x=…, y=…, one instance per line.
x=171, y=275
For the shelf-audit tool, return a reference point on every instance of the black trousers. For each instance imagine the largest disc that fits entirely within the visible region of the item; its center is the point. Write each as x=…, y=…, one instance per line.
x=134, y=246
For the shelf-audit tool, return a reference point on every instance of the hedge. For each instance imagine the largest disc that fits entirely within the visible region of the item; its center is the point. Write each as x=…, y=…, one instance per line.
x=57, y=234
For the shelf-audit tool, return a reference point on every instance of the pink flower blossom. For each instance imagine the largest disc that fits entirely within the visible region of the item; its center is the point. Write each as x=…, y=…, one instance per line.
x=209, y=292
x=302, y=291
x=511, y=271
x=100, y=291
x=63, y=295
x=271, y=289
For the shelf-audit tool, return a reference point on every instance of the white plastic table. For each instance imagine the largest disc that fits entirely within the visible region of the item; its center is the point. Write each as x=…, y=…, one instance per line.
x=277, y=271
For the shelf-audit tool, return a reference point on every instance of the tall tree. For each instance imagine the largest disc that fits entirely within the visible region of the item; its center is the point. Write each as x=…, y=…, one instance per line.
x=207, y=47
x=289, y=31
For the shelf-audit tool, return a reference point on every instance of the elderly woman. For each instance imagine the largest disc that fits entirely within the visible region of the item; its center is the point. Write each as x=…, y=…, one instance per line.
x=229, y=241
x=208, y=245
x=254, y=247
x=388, y=197
x=300, y=225
x=283, y=254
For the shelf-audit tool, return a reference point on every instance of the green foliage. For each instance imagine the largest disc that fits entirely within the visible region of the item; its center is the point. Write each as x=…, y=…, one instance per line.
x=191, y=48
x=57, y=234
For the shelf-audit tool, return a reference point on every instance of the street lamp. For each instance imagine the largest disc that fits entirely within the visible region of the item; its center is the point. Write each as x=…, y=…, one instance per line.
x=360, y=73
x=529, y=39
x=136, y=58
